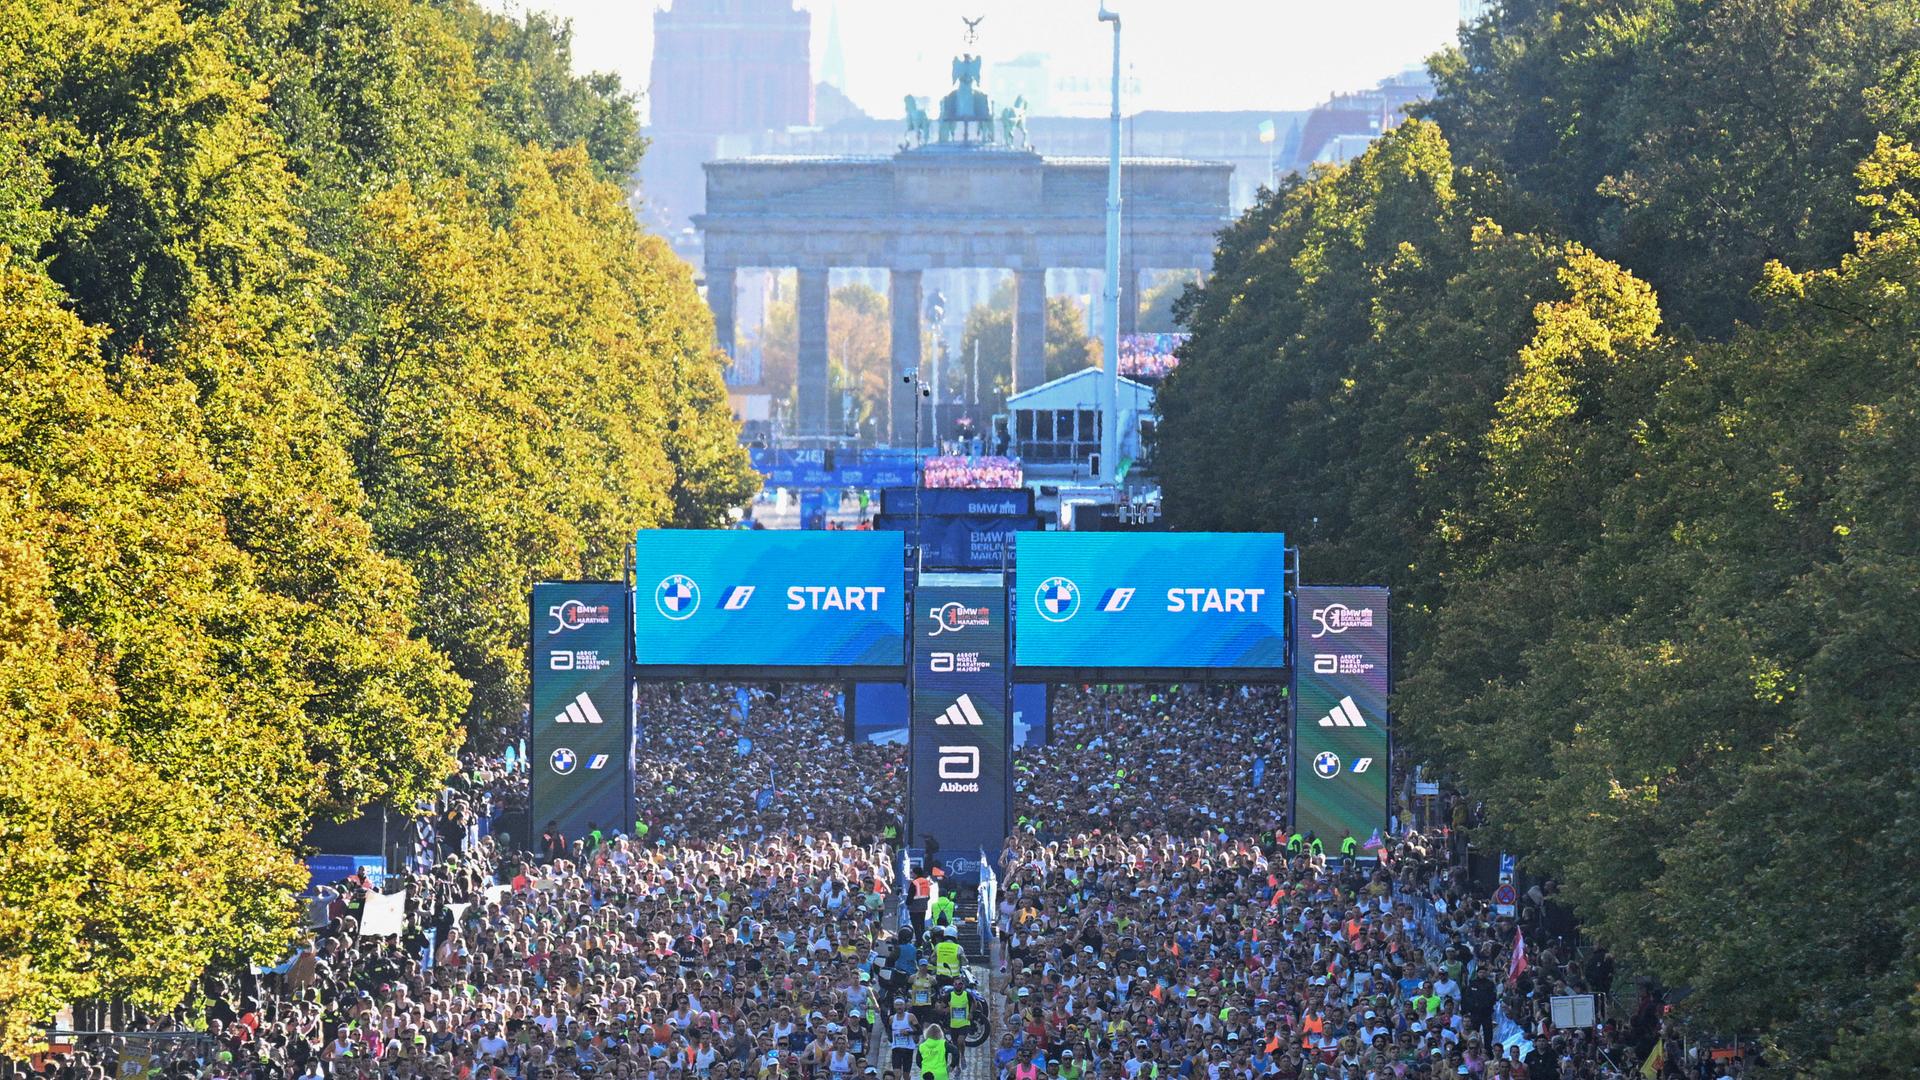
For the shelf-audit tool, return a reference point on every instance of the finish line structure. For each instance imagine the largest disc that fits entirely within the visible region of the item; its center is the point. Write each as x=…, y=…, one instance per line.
x=1067, y=607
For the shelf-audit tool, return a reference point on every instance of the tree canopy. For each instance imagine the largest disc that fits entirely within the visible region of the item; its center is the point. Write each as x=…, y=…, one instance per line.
x=1607, y=367
x=325, y=330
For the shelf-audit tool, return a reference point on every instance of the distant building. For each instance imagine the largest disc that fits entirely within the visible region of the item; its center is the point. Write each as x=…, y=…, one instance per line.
x=731, y=65
x=1024, y=76
x=720, y=67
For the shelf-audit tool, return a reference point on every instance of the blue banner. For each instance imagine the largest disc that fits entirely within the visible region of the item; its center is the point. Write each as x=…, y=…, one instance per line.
x=880, y=713
x=960, y=753
x=1030, y=703
x=328, y=869
x=1151, y=600
x=1341, y=727
x=580, y=726
x=769, y=598
x=958, y=502
x=833, y=468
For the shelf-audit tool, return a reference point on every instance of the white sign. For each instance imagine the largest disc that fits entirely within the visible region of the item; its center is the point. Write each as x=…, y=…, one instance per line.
x=385, y=914
x=1573, y=1011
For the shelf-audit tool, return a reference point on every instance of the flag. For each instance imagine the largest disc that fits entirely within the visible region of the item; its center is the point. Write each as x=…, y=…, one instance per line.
x=1259, y=771
x=1374, y=843
x=1519, y=962
x=743, y=747
x=741, y=697
x=1656, y=1062
x=765, y=797
x=1266, y=131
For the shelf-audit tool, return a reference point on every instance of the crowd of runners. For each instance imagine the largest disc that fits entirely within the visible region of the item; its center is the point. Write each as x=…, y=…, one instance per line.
x=1155, y=920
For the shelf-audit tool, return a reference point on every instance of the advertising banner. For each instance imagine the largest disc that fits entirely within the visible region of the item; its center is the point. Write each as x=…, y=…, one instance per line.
x=1342, y=731
x=581, y=728
x=961, y=543
x=954, y=502
x=880, y=713
x=821, y=468
x=330, y=869
x=1151, y=600
x=960, y=745
x=763, y=598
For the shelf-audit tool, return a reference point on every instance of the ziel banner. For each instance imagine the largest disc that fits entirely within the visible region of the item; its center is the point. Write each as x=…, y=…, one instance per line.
x=577, y=751
x=1151, y=600
x=1342, y=732
x=765, y=598
x=960, y=719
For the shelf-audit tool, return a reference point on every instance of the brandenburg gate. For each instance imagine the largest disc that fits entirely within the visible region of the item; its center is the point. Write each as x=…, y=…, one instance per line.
x=972, y=195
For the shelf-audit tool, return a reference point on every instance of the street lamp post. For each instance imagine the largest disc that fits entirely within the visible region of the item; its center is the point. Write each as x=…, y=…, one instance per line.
x=1110, y=379
x=912, y=378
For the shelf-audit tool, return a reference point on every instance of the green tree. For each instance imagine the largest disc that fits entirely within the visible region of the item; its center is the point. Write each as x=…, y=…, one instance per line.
x=1690, y=142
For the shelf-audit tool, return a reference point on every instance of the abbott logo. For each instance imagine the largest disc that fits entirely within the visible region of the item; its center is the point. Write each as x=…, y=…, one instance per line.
x=940, y=662
x=579, y=711
x=959, y=763
x=960, y=714
x=1346, y=714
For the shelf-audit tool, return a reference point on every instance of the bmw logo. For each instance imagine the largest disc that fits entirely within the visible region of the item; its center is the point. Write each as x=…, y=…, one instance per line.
x=562, y=760
x=1326, y=765
x=677, y=597
x=1057, y=599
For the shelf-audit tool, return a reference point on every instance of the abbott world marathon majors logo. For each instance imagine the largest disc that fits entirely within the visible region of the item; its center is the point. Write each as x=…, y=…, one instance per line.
x=677, y=597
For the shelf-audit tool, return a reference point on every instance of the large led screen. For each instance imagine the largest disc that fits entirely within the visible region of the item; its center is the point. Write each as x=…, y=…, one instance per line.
x=768, y=599
x=1150, y=600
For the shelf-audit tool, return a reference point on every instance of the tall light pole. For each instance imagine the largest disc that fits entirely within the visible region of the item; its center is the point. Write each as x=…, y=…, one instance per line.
x=1110, y=343
x=921, y=390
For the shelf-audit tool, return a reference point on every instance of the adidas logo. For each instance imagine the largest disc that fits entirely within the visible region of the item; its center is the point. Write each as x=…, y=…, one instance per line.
x=960, y=714
x=579, y=711
x=1346, y=715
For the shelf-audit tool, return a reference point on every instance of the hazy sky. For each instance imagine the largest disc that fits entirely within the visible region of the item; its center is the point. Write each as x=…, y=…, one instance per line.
x=1184, y=54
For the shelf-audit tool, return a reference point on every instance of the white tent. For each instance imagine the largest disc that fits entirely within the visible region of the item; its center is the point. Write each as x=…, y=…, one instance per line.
x=1059, y=422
